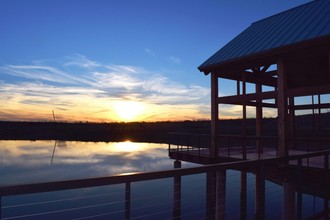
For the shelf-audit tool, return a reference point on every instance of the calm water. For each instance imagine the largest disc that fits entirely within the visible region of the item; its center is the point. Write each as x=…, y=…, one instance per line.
x=43, y=161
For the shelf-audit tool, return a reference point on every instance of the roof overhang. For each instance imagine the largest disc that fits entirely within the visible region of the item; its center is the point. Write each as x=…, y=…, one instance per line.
x=267, y=57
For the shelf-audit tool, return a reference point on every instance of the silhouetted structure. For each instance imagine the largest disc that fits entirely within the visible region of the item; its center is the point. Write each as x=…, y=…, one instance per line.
x=289, y=54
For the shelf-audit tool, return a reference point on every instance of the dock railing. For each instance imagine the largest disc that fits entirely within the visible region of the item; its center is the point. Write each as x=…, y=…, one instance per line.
x=243, y=147
x=214, y=200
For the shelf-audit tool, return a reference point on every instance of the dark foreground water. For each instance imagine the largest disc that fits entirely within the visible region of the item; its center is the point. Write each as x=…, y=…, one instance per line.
x=24, y=162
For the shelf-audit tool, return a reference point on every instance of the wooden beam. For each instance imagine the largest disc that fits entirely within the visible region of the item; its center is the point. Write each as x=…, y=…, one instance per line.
x=264, y=78
x=264, y=68
x=311, y=106
x=238, y=99
x=310, y=90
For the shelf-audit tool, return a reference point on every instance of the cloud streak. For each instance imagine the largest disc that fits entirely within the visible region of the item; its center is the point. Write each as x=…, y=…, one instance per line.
x=83, y=89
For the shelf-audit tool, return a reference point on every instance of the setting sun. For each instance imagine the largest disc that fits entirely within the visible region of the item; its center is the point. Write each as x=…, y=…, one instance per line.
x=129, y=110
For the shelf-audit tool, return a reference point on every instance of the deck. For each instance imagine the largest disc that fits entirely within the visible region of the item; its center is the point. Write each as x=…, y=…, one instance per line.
x=237, y=148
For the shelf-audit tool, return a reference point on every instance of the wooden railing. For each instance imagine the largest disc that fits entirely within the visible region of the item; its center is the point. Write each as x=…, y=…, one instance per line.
x=232, y=144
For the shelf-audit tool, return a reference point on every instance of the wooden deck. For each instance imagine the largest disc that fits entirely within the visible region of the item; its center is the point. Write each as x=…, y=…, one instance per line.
x=202, y=156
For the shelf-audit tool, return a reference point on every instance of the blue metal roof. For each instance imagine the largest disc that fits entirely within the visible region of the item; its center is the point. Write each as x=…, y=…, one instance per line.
x=302, y=23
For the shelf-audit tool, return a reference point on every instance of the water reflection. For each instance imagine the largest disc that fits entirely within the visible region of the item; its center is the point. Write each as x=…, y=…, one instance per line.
x=39, y=161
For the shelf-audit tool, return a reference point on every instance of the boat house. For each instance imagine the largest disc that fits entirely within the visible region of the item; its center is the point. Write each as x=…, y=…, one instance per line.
x=284, y=58
x=289, y=53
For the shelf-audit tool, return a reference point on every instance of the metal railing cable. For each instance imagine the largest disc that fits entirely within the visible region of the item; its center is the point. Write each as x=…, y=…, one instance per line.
x=56, y=211
x=58, y=200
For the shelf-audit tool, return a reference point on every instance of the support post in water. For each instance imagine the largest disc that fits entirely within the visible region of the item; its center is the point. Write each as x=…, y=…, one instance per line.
x=177, y=192
x=128, y=200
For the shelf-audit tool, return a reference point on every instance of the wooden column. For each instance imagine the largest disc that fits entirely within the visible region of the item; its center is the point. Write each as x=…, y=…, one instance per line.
x=292, y=121
x=177, y=193
x=243, y=195
x=282, y=109
x=259, y=118
x=214, y=114
x=244, y=114
x=128, y=200
x=260, y=193
x=211, y=193
x=221, y=195
x=288, y=209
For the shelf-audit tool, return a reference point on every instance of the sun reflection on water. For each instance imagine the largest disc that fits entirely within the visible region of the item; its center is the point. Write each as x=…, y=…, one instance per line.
x=35, y=161
x=128, y=146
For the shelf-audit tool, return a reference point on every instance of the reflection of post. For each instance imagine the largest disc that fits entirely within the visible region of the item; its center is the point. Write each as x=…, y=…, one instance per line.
x=51, y=161
x=221, y=195
x=210, y=194
x=326, y=209
x=128, y=200
x=177, y=193
x=288, y=201
x=299, y=204
x=243, y=199
x=260, y=194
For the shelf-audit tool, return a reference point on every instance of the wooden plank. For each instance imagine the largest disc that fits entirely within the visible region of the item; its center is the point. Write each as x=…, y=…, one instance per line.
x=264, y=78
x=310, y=90
x=311, y=106
x=238, y=99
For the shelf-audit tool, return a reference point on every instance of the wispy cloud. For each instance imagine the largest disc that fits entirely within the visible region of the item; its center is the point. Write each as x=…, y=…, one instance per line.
x=42, y=73
x=86, y=90
x=176, y=60
x=150, y=52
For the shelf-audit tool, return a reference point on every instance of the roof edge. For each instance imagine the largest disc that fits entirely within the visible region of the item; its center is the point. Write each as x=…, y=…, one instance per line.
x=265, y=54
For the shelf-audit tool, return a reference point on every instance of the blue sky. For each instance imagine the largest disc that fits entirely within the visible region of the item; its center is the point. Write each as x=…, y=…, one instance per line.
x=124, y=60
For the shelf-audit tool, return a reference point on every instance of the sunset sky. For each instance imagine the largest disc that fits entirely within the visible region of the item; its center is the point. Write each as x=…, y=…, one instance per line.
x=123, y=60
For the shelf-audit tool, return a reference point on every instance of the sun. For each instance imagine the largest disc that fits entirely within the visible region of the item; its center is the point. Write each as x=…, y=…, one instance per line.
x=129, y=110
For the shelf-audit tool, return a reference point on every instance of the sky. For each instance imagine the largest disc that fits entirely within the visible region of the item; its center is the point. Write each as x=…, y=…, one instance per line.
x=117, y=60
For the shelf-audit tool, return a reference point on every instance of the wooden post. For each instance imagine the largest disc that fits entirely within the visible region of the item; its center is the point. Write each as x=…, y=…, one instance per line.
x=319, y=112
x=292, y=121
x=259, y=118
x=221, y=195
x=214, y=114
x=282, y=108
x=259, y=193
x=211, y=193
x=177, y=193
x=243, y=195
x=238, y=87
x=288, y=210
x=244, y=115
x=128, y=200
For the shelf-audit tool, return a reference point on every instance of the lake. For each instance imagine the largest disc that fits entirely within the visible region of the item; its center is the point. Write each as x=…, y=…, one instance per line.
x=23, y=162
x=43, y=161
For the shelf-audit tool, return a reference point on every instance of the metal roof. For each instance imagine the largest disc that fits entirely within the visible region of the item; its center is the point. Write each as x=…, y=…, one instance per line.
x=302, y=23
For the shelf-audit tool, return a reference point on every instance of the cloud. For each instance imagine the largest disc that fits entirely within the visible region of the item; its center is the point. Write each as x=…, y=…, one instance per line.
x=150, y=52
x=42, y=73
x=83, y=89
x=176, y=60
